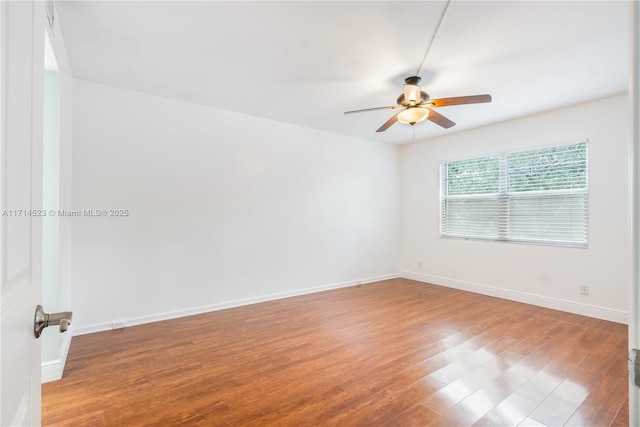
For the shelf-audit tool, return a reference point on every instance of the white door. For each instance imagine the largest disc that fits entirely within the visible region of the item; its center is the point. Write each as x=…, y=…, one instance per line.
x=634, y=94
x=21, y=76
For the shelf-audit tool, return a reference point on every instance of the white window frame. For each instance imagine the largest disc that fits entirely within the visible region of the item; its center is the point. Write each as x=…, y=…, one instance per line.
x=503, y=198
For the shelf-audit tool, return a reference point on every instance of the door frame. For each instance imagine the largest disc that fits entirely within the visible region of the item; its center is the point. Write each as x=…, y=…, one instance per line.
x=52, y=369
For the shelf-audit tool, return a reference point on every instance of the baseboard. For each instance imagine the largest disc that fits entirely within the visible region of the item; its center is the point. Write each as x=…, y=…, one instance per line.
x=53, y=370
x=613, y=315
x=604, y=313
x=107, y=326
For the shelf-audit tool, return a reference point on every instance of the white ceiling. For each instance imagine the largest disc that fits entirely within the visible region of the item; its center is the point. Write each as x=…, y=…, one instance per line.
x=306, y=62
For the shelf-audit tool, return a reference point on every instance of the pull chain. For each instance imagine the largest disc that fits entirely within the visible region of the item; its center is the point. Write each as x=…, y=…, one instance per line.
x=413, y=134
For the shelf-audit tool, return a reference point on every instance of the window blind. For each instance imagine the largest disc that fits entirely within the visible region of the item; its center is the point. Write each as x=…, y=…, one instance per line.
x=535, y=196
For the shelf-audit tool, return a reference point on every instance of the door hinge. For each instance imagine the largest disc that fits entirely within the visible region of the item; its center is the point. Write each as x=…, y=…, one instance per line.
x=634, y=366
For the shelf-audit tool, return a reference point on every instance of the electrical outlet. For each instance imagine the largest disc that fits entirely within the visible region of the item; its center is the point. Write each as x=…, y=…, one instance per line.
x=584, y=290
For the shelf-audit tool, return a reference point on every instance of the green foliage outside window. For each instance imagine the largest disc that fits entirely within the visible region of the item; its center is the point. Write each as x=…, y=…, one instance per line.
x=556, y=168
x=475, y=176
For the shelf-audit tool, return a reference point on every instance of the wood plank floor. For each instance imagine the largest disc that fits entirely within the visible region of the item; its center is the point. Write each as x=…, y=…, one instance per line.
x=391, y=353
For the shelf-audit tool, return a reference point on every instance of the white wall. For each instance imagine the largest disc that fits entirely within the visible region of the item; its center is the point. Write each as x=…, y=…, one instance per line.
x=547, y=276
x=224, y=208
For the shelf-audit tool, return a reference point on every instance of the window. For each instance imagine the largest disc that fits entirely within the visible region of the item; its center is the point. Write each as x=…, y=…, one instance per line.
x=536, y=196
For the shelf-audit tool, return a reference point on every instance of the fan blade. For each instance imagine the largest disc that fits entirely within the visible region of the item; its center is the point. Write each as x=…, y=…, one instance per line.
x=459, y=100
x=393, y=107
x=439, y=119
x=388, y=123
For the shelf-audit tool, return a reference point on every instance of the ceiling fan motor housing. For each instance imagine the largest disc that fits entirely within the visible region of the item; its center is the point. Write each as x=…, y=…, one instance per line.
x=411, y=91
x=401, y=100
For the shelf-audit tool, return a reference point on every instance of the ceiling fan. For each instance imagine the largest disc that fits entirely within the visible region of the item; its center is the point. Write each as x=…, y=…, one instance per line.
x=416, y=106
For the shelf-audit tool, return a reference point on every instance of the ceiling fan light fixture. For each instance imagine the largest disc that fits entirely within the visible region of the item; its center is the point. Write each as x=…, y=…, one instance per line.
x=413, y=115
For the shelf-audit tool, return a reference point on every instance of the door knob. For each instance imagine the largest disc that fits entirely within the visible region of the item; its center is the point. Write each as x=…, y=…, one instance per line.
x=42, y=320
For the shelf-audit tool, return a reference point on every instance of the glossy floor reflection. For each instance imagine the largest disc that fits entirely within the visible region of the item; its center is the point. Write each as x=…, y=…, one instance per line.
x=392, y=353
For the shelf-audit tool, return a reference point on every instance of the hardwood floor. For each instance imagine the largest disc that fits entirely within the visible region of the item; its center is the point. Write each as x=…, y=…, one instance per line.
x=392, y=353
